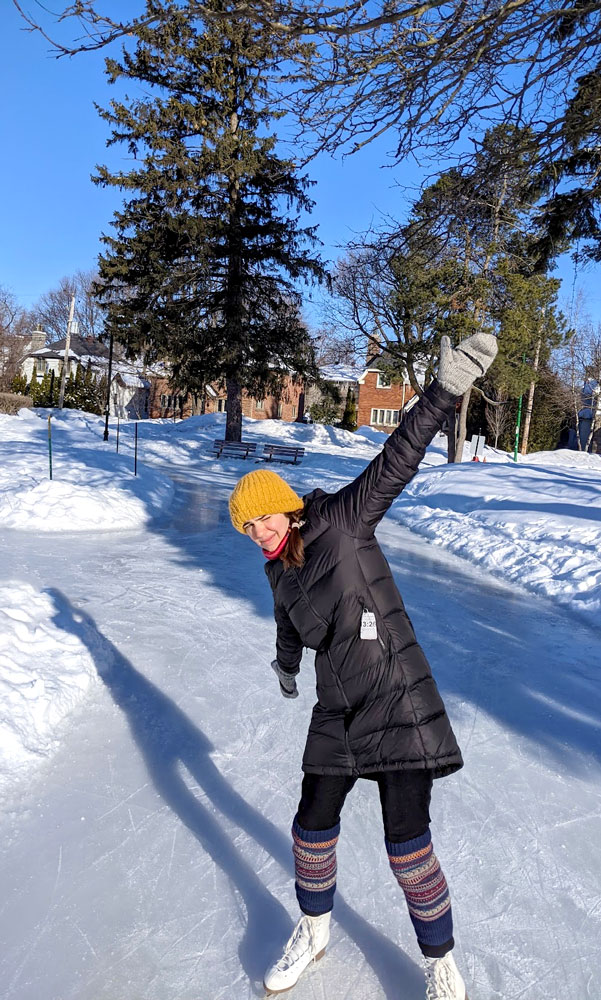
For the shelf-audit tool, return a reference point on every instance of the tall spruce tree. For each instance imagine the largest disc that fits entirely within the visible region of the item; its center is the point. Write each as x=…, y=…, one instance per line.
x=208, y=250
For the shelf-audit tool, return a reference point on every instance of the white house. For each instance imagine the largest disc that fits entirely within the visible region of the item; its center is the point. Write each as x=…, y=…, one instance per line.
x=589, y=417
x=130, y=390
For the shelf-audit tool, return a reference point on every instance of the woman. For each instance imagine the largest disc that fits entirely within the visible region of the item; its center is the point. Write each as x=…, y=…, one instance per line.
x=379, y=714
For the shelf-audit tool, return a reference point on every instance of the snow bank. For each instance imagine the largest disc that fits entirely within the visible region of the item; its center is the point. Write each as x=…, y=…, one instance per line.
x=44, y=673
x=92, y=486
x=537, y=523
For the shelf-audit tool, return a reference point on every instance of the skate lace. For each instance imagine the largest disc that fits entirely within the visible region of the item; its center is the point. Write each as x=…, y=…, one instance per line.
x=301, y=941
x=440, y=981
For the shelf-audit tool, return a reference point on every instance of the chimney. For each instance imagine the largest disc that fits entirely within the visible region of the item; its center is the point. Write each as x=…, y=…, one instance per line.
x=374, y=349
x=38, y=339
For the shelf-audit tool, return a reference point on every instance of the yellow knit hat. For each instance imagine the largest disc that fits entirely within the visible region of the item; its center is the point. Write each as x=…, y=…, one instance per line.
x=261, y=492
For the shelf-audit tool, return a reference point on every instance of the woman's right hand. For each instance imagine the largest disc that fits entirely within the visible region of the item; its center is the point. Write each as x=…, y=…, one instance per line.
x=287, y=681
x=460, y=367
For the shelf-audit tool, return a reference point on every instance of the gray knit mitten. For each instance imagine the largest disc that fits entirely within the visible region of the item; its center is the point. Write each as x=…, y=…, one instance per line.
x=287, y=681
x=458, y=368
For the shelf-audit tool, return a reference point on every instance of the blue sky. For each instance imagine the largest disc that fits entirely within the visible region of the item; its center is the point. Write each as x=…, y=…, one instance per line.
x=52, y=138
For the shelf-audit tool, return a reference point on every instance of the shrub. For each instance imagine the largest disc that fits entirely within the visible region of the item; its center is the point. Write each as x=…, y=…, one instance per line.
x=12, y=402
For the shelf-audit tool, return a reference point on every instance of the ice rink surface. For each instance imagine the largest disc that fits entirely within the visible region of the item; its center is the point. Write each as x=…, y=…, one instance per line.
x=149, y=858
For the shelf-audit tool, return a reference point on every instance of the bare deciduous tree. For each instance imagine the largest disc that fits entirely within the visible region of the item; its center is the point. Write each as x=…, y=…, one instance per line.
x=578, y=363
x=497, y=417
x=422, y=68
x=52, y=308
x=334, y=346
x=13, y=330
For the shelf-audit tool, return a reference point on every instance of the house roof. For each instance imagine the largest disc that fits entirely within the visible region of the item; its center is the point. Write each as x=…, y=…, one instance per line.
x=340, y=373
x=127, y=371
x=78, y=346
x=51, y=352
x=384, y=360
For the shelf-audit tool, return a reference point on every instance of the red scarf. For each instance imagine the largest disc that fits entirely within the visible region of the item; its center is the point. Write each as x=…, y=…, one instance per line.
x=279, y=550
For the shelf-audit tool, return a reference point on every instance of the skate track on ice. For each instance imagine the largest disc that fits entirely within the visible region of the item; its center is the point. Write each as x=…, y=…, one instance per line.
x=149, y=858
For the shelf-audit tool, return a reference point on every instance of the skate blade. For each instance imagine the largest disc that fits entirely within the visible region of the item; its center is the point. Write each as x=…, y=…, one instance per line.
x=278, y=993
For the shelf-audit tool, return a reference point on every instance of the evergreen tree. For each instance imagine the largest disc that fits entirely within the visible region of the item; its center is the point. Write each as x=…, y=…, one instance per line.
x=44, y=390
x=203, y=268
x=19, y=385
x=70, y=397
x=349, y=417
x=33, y=387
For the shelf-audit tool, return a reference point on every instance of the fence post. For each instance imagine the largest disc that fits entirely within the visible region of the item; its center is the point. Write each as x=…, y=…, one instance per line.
x=50, y=444
x=136, y=450
x=117, y=434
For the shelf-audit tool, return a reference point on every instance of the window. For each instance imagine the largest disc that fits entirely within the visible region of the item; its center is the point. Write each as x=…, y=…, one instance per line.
x=259, y=404
x=163, y=401
x=385, y=418
x=383, y=381
x=294, y=412
x=279, y=411
x=40, y=366
x=221, y=405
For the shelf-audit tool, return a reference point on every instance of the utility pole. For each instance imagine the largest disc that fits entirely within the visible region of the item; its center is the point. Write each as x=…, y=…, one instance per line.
x=66, y=355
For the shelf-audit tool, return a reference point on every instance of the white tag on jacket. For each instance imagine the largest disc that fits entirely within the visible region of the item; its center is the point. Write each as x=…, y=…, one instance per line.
x=368, y=626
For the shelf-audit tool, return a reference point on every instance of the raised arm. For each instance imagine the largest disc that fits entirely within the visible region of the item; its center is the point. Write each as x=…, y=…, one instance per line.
x=358, y=507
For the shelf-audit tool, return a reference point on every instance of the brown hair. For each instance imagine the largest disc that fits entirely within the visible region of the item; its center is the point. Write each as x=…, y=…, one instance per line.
x=293, y=553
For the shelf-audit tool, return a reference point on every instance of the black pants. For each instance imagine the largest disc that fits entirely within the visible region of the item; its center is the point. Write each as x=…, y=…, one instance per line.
x=405, y=799
x=404, y=796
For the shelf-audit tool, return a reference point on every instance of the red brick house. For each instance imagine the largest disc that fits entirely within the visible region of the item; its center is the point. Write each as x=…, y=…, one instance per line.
x=381, y=401
x=288, y=406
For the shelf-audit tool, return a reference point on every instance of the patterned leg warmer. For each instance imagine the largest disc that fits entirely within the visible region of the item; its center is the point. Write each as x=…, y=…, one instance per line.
x=418, y=872
x=315, y=868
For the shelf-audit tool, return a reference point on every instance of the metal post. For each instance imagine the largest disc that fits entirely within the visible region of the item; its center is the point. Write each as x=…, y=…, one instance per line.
x=50, y=444
x=136, y=450
x=107, y=404
x=517, y=431
x=52, y=374
x=61, y=395
x=117, y=449
x=519, y=420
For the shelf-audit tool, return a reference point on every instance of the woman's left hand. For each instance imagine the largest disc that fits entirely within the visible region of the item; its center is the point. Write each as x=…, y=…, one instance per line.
x=287, y=681
x=460, y=367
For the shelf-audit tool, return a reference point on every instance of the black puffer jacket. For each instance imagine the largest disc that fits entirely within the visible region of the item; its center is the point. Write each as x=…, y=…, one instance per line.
x=378, y=706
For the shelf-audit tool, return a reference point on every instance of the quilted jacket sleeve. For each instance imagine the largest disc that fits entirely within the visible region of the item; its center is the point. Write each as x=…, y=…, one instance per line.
x=358, y=507
x=289, y=648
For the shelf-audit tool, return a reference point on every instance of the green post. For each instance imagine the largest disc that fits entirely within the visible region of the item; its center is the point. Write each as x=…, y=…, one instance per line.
x=519, y=420
x=517, y=430
x=50, y=444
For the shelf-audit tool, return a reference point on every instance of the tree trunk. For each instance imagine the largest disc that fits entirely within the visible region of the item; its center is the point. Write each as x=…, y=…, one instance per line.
x=233, y=421
x=461, y=436
x=594, y=425
x=530, y=404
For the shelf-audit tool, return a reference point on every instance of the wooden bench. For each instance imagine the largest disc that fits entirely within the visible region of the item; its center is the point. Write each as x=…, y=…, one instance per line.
x=283, y=453
x=234, y=449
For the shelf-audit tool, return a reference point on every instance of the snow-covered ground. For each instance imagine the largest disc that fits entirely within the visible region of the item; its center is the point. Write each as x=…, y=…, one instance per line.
x=145, y=837
x=92, y=487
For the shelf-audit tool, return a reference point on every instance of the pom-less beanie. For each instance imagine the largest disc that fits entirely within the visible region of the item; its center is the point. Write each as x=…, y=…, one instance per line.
x=258, y=493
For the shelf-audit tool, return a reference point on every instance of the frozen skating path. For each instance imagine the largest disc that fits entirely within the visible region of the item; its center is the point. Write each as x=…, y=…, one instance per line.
x=150, y=858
